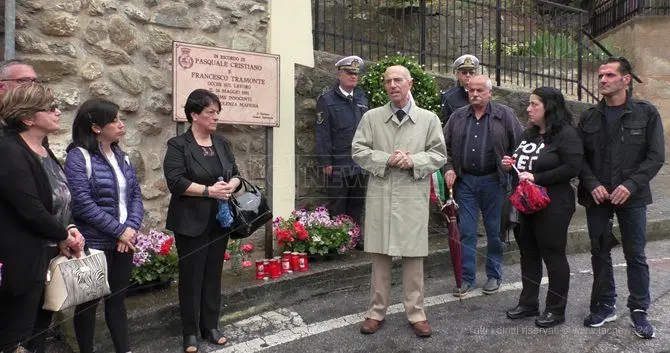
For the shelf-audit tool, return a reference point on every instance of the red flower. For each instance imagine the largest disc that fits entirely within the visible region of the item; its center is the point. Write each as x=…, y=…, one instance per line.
x=300, y=231
x=246, y=263
x=248, y=247
x=166, y=246
x=226, y=256
x=284, y=236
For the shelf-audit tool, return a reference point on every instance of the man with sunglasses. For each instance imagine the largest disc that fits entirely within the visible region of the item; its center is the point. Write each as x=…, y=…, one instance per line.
x=457, y=96
x=15, y=72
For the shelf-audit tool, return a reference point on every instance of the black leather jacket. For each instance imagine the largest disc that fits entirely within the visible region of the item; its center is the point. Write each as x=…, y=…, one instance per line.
x=637, y=151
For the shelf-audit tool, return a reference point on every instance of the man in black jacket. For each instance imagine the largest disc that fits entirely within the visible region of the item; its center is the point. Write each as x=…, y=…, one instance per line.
x=624, y=148
x=477, y=137
x=339, y=111
x=455, y=97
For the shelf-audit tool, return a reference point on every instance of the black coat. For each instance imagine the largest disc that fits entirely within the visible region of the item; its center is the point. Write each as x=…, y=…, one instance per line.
x=26, y=205
x=184, y=164
x=637, y=150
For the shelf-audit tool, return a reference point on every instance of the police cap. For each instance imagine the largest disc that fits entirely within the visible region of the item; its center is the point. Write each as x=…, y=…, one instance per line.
x=466, y=62
x=352, y=64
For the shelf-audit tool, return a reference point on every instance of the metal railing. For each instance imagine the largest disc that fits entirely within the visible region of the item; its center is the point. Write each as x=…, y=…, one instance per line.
x=520, y=43
x=608, y=14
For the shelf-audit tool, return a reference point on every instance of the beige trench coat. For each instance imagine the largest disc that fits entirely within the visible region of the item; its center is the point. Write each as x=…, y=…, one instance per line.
x=397, y=201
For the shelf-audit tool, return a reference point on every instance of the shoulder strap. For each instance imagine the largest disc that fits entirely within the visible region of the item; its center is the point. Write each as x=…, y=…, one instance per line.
x=87, y=158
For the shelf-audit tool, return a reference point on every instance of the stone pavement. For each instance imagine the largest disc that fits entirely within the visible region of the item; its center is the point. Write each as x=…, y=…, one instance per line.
x=154, y=314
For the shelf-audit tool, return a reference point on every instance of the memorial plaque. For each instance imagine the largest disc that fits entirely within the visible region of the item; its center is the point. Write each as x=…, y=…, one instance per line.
x=247, y=83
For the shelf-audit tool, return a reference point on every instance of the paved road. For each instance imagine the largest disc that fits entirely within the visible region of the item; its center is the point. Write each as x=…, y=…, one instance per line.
x=476, y=324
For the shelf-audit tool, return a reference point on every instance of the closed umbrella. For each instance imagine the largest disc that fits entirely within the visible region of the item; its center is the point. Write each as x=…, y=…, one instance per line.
x=449, y=209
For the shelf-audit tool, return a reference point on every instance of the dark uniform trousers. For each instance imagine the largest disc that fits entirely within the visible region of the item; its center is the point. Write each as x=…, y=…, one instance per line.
x=347, y=195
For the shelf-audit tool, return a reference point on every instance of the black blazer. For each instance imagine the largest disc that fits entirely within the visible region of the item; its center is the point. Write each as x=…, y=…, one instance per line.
x=184, y=164
x=26, y=205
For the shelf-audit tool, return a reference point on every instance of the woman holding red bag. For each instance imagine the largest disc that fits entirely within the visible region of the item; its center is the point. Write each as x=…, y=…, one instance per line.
x=550, y=155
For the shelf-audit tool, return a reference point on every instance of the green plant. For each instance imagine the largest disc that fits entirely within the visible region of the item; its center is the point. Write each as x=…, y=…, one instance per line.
x=425, y=92
x=314, y=232
x=155, y=258
x=544, y=45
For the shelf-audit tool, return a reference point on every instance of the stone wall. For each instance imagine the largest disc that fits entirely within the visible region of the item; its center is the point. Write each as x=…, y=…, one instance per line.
x=121, y=50
x=638, y=40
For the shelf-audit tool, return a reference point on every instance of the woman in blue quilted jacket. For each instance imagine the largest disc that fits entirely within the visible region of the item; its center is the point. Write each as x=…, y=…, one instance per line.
x=107, y=208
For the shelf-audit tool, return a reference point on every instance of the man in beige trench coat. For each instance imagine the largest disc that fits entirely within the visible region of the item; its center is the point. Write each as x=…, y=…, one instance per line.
x=400, y=145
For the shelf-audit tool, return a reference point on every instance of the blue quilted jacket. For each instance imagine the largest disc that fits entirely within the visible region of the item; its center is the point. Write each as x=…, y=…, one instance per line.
x=95, y=201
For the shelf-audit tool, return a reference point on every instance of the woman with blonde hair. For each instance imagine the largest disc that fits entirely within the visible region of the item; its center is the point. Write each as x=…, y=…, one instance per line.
x=35, y=209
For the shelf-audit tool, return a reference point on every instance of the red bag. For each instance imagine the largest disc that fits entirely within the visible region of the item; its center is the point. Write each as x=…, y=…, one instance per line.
x=529, y=197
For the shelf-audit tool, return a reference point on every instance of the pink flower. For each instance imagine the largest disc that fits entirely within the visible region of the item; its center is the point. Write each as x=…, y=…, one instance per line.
x=246, y=263
x=226, y=256
x=248, y=248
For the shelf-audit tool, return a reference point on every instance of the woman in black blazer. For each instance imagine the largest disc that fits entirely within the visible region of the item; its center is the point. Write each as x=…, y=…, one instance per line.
x=200, y=169
x=34, y=209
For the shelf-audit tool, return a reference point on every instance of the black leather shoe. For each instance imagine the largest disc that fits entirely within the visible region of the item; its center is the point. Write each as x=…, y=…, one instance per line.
x=520, y=311
x=548, y=320
x=214, y=336
x=190, y=343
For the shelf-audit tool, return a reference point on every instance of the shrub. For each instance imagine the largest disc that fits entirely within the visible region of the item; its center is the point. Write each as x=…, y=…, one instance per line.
x=425, y=92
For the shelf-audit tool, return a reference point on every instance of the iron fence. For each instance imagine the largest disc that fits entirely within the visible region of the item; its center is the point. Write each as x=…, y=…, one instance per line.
x=607, y=14
x=522, y=43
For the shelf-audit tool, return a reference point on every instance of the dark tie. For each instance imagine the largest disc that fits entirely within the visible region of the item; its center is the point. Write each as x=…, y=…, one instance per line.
x=400, y=114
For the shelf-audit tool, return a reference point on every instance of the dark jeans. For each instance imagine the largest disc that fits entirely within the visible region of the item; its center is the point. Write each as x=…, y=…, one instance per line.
x=633, y=226
x=347, y=195
x=119, y=266
x=200, y=267
x=474, y=193
x=544, y=236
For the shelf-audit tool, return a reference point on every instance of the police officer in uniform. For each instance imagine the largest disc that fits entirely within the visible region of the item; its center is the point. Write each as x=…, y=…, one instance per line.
x=339, y=111
x=455, y=97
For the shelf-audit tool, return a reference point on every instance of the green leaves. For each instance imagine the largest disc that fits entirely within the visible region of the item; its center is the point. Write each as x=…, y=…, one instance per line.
x=158, y=268
x=425, y=91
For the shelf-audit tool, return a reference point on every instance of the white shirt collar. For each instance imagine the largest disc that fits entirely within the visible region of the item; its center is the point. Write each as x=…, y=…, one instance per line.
x=345, y=93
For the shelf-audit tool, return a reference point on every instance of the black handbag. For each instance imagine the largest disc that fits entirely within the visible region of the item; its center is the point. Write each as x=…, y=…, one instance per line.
x=250, y=210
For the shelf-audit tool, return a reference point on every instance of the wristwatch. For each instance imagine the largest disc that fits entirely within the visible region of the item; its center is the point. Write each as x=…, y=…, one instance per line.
x=205, y=192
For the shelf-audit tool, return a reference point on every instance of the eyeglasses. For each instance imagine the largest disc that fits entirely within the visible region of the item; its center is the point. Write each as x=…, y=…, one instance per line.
x=467, y=72
x=23, y=80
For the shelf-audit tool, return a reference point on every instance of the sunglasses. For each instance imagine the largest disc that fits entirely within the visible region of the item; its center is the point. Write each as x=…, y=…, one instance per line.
x=52, y=108
x=23, y=80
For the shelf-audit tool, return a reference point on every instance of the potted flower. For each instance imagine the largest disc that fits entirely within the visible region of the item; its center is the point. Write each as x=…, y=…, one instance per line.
x=315, y=232
x=155, y=260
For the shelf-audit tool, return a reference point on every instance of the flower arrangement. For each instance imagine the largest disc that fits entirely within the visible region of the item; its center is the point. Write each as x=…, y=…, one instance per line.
x=315, y=232
x=155, y=258
x=424, y=89
x=238, y=254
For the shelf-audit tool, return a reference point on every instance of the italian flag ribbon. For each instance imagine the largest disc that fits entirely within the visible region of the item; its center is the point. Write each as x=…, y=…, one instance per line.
x=437, y=188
